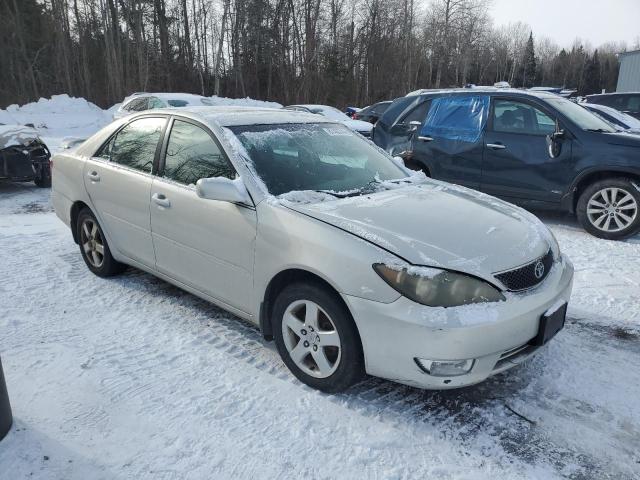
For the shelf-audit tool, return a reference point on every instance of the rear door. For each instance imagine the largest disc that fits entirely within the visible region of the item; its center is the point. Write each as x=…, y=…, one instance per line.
x=449, y=143
x=516, y=163
x=205, y=244
x=118, y=180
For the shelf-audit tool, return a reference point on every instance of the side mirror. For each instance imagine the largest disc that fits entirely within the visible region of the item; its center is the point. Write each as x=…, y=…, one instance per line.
x=554, y=142
x=414, y=125
x=223, y=190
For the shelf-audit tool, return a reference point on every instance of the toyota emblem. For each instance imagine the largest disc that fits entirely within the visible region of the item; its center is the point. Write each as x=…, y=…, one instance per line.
x=538, y=270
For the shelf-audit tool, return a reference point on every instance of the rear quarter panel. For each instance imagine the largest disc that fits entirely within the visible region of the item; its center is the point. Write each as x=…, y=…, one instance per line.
x=67, y=185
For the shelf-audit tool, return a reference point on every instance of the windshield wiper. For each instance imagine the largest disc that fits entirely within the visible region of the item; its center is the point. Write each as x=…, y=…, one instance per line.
x=335, y=194
x=597, y=130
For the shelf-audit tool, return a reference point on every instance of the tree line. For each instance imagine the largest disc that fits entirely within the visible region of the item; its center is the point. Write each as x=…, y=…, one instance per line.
x=339, y=52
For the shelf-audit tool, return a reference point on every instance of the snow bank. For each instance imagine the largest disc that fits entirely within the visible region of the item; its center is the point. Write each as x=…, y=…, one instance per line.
x=57, y=118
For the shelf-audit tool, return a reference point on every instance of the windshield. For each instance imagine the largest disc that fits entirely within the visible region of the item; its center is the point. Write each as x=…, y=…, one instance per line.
x=330, y=112
x=318, y=157
x=582, y=117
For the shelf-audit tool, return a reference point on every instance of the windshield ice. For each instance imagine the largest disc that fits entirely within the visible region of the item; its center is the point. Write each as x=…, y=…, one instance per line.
x=582, y=117
x=318, y=157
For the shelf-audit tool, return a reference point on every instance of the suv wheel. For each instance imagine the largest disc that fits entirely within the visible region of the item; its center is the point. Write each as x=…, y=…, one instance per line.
x=94, y=247
x=610, y=208
x=317, y=338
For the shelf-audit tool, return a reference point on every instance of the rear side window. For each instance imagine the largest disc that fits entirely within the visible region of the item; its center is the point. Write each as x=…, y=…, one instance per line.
x=192, y=154
x=135, y=145
x=518, y=117
x=457, y=118
x=632, y=103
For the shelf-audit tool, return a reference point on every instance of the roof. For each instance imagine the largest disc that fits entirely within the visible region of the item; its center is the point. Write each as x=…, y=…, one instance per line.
x=230, y=115
x=461, y=91
x=632, y=52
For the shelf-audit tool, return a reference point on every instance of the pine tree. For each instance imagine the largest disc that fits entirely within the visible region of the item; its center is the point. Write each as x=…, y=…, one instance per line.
x=592, y=75
x=529, y=69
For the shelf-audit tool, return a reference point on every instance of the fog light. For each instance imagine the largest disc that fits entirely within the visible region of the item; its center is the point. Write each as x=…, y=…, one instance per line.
x=445, y=368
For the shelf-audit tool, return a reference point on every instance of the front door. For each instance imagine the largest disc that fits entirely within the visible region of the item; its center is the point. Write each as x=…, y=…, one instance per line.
x=205, y=244
x=516, y=164
x=118, y=180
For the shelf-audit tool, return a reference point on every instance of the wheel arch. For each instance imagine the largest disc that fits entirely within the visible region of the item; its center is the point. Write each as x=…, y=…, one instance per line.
x=76, y=208
x=279, y=282
x=591, y=176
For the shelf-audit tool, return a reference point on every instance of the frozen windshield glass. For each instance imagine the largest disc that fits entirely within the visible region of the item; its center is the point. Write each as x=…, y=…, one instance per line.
x=310, y=156
x=330, y=112
x=582, y=117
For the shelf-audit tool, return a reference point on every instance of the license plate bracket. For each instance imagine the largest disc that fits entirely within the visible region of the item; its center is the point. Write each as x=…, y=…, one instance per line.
x=550, y=325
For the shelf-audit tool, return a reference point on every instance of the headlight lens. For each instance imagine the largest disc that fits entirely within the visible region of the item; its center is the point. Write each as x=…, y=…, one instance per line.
x=437, y=288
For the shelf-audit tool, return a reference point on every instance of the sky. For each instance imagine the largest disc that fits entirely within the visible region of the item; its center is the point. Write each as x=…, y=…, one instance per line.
x=597, y=22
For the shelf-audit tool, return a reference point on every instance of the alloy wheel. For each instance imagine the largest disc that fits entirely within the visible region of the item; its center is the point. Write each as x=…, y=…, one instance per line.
x=612, y=209
x=92, y=243
x=311, y=338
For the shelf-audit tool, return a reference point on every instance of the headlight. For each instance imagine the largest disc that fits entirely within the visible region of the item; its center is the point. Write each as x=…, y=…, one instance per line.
x=437, y=288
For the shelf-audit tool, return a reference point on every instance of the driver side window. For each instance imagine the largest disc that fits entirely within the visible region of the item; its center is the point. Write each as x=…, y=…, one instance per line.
x=518, y=117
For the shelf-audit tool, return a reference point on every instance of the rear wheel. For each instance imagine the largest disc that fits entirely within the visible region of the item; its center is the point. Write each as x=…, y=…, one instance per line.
x=610, y=208
x=94, y=247
x=317, y=338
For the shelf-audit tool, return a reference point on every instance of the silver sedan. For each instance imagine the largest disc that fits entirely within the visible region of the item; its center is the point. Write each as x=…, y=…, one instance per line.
x=295, y=223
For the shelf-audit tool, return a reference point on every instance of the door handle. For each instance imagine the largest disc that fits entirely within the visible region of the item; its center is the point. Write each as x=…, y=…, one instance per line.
x=161, y=200
x=496, y=146
x=93, y=176
x=425, y=139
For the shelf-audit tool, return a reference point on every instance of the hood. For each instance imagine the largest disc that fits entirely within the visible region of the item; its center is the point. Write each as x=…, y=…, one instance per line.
x=440, y=225
x=358, y=125
x=626, y=139
x=11, y=135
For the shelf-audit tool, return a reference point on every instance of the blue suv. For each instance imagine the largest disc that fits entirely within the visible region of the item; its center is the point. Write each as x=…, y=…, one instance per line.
x=538, y=150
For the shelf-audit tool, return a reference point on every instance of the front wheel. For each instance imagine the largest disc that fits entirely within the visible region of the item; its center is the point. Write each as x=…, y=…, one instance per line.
x=317, y=338
x=609, y=208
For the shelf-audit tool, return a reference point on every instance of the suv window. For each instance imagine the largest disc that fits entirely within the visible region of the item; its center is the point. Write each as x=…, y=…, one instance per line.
x=516, y=117
x=418, y=114
x=192, y=154
x=135, y=145
x=631, y=103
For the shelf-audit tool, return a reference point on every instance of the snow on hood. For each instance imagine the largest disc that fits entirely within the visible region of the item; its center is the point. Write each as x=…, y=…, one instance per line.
x=12, y=135
x=438, y=225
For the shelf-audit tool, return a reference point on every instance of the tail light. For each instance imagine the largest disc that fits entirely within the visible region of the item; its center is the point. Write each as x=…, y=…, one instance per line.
x=355, y=116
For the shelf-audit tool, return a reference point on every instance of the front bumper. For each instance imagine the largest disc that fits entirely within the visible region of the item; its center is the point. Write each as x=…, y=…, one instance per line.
x=496, y=335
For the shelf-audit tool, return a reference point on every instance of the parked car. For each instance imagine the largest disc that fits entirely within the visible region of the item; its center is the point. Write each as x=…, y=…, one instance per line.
x=363, y=128
x=620, y=121
x=538, y=150
x=24, y=157
x=297, y=224
x=140, y=101
x=349, y=111
x=372, y=113
x=628, y=103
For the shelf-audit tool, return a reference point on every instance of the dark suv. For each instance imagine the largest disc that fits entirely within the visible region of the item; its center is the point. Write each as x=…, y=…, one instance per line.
x=538, y=150
x=625, y=102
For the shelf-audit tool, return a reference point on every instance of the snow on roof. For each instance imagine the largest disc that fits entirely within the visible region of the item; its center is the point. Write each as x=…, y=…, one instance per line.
x=228, y=116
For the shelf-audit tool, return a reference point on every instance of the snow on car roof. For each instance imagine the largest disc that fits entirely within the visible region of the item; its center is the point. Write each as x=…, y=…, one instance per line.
x=228, y=116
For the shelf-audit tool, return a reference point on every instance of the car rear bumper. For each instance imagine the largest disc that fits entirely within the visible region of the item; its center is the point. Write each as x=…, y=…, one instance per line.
x=495, y=335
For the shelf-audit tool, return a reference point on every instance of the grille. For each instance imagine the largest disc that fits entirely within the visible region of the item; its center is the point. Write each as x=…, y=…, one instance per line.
x=525, y=277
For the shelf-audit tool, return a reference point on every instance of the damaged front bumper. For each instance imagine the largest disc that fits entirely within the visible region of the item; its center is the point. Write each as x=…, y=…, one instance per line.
x=402, y=339
x=23, y=163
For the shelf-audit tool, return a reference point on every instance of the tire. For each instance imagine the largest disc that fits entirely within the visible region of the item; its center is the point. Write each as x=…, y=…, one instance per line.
x=43, y=181
x=610, y=208
x=94, y=247
x=333, y=324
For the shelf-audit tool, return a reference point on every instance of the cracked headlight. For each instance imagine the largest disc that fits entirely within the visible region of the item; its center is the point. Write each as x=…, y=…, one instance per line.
x=437, y=288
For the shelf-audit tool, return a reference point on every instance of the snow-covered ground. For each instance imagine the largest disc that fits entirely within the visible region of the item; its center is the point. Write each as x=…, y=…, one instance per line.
x=131, y=377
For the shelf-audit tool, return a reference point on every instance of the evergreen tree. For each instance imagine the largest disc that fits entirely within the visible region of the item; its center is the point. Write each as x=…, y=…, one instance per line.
x=592, y=83
x=529, y=69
